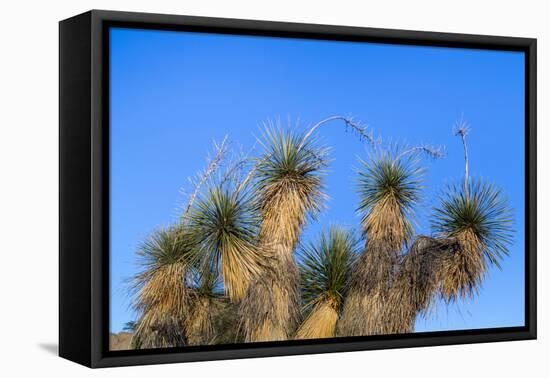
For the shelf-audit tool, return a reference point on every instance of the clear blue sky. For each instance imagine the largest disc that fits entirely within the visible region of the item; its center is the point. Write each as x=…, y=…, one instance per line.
x=173, y=93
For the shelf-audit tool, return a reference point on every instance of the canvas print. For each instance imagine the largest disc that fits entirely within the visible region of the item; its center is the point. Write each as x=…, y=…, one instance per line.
x=277, y=189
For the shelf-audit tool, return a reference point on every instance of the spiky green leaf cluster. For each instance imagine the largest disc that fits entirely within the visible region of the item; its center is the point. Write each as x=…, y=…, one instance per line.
x=480, y=208
x=325, y=265
x=383, y=177
x=165, y=246
x=225, y=224
x=223, y=217
x=290, y=156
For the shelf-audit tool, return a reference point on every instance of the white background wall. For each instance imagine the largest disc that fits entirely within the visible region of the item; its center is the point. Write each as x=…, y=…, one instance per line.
x=29, y=186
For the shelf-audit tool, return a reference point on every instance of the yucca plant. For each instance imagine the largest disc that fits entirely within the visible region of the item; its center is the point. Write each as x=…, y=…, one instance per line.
x=325, y=269
x=478, y=216
x=231, y=258
x=162, y=298
x=288, y=188
x=473, y=228
x=289, y=185
x=225, y=226
x=389, y=188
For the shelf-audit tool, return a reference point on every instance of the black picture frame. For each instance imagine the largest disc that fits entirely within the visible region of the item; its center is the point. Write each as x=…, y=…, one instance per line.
x=84, y=188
